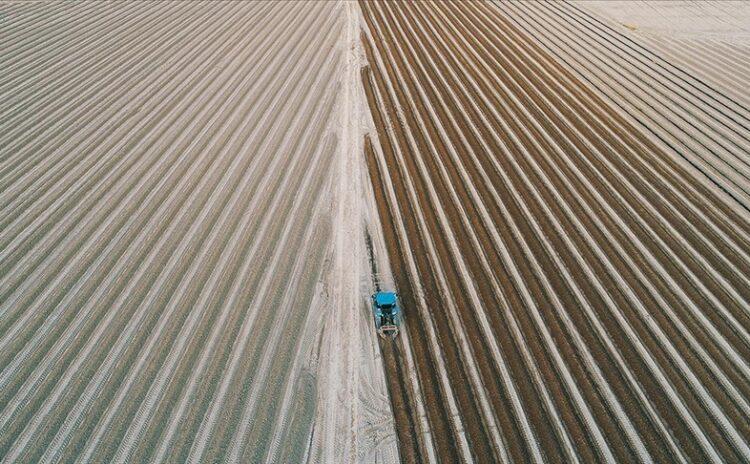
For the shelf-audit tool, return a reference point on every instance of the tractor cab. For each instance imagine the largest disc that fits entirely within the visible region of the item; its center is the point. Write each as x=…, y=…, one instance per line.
x=387, y=313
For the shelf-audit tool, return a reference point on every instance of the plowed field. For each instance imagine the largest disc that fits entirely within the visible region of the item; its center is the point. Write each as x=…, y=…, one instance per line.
x=180, y=252
x=576, y=285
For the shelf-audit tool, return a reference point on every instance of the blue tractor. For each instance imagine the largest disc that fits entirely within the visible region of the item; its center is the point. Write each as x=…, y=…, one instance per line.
x=387, y=313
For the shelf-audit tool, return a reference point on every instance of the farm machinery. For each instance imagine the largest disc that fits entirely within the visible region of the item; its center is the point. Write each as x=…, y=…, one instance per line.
x=387, y=313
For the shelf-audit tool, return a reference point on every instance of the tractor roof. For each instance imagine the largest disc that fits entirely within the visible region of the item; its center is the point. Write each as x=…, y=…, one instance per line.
x=385, y=298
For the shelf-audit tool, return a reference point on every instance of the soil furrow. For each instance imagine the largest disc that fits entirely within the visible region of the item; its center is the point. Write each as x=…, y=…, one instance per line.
x=542, y=179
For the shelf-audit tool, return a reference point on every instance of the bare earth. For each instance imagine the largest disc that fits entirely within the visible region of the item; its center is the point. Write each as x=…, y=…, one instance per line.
x=566, y=213
x=197, y=199
x=182, y=261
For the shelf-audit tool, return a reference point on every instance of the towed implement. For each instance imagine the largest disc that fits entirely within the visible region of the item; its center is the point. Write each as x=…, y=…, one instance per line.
x=387, y=313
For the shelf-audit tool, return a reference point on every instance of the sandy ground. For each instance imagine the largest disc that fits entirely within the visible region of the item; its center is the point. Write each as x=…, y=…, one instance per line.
x=355, y=403
x=183, y=206
x=197, y=199
x=726, y=20
x=708, y=40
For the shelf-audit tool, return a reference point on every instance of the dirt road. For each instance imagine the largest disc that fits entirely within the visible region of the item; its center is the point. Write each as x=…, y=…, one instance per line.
x=576, y=290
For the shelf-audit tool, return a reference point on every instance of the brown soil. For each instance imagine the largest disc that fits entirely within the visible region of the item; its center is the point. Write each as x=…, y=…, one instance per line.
x=593, y=196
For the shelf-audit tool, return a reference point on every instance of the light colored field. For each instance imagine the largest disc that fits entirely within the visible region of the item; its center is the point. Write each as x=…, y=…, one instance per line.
x=725, y=20
x=182, y=261
x=701, y=123
x=708, y=41
x=196, y=199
